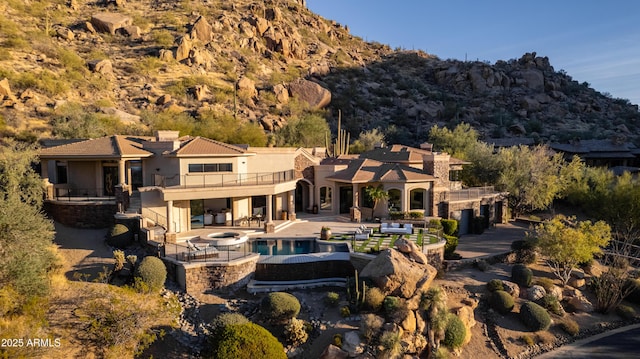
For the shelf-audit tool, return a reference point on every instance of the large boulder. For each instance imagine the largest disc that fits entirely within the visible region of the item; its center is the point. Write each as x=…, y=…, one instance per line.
x=110, y=22
x=310, y=92
x=202, y=30
x=352, y=343
x=101, y=66
x=333, y=352
x=511, y=288
x=535, y=292
x=412, y=250
x=5, y=90
x=395, y=274
x=467, y=317
x=184, y=48
x=580, y=304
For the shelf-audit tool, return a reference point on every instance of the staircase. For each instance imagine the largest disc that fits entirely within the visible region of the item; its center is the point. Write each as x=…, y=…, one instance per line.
x=135, y=206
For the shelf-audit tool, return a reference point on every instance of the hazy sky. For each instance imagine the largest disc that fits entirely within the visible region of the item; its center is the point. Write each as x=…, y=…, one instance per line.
x=596, y=41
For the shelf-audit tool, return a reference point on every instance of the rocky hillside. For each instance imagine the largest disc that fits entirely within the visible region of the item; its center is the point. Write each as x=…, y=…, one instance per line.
x=76, y=68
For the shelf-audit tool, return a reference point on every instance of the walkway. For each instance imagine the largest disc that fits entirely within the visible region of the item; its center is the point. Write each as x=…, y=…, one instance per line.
x=494, y=240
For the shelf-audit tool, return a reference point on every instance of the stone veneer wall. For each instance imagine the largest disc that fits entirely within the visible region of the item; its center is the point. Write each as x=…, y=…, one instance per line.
x=198, y=277
x=435, y=254
x=82, y=214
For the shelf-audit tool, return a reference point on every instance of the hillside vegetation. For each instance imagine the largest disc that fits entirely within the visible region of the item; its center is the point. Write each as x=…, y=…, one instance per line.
x=247, y=71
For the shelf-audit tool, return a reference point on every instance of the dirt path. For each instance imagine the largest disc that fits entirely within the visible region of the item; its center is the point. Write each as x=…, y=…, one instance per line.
x=84, y=250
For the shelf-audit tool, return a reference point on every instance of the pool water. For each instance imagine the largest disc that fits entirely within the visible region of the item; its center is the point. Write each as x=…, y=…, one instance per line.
x=294, y=246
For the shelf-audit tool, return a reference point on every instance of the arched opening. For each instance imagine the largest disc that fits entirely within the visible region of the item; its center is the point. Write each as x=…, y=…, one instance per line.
x=302, y=196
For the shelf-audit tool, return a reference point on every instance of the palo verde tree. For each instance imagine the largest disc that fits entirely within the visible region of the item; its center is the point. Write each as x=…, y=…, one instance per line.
x=565, y=242
x=377, y=194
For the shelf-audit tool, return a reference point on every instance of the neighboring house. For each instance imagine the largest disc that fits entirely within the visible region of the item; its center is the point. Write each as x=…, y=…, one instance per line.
x=182, y=183
x=416, y=180
x=616, y=155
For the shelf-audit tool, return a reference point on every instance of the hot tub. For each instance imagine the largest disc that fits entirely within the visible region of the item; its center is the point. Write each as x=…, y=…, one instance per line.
x=224, y=238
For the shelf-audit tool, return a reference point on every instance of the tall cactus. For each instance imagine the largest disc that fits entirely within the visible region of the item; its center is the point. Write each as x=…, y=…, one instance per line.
x=341, y=145
x=358, y=296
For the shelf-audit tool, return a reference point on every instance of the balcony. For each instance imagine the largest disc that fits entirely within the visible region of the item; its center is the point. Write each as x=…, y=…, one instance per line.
x=223, y=180
x=469, y=193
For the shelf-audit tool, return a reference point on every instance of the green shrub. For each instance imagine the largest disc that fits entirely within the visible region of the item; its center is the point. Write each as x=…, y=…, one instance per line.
x=534, y=317
x=332, y=299
x=454, y=333
x=120, y=236
x=570, y=327
x=527, y=339
x=441, y=353
x=451, y=245
x=551, y=303
x=225, y=319
x=390, y=341
x=370, y=325
x=449, y=226
x=391, y=303
x=525, y=251
x=337, y=340
x=345, y=312
x=245, y=341
x=416, y=215
x=501, y=301
x=625, y=311
x=495, y=284
x=279, y=307
x=151, y=273
x=374, y=298
x=296, y=332
x=521, y=275
x=396, y=215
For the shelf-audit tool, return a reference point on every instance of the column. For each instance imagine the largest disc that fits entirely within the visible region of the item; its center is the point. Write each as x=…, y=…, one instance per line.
x=121, y=172
x=171, y=234
x=356, y=196
x=269, y=226
x=291, y=205
x=311, y=197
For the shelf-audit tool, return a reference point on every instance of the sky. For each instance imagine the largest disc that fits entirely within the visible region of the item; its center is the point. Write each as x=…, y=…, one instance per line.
x=594, y=41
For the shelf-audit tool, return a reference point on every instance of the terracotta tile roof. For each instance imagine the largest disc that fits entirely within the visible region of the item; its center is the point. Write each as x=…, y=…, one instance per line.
x=200, y=146
x=367, y=170
x=104, y=147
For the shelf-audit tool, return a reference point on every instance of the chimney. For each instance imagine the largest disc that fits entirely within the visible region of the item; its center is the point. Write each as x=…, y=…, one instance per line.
x=437, y=165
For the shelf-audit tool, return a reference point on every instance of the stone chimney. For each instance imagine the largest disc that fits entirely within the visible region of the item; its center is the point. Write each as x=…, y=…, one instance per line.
x=165, y=141
x=437, y=165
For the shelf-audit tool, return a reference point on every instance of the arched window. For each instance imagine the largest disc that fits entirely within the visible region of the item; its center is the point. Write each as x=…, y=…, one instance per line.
x=395, y=200
x=416, y=198
x=325, y=198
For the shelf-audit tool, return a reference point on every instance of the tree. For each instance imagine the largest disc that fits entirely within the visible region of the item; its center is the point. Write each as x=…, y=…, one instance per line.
x=564, y=243
x=377, y=194
x=531, y=176
x=459, y=142
x=25, y=233
x=306, y=131
x=367, y=141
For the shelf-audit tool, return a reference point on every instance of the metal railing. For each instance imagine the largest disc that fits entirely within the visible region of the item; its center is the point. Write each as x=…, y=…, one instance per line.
x=223, y=180
x=73, y=193
x=183, y=253
x=469, y=193
x=154, y=216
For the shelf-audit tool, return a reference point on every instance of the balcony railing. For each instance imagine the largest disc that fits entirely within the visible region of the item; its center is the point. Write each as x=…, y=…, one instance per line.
x=223, y=180
x=469, y=193
x=73, y=193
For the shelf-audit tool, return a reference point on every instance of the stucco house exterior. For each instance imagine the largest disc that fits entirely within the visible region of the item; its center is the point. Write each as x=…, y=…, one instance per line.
x=183, y=183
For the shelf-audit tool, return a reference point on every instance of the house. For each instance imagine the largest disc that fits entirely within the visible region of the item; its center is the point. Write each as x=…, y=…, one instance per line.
x=184, y=183
x=614, y=154
x=416, y=180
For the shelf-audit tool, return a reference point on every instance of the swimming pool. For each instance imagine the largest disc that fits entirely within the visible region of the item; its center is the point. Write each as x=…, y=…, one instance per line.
x=292, y=246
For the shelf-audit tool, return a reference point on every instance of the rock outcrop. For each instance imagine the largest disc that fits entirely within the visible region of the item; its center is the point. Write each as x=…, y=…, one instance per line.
x=310, y=92
x=395, y=274
x=110, y=22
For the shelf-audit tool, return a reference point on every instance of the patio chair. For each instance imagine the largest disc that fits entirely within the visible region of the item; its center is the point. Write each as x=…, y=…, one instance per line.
x=360, y=235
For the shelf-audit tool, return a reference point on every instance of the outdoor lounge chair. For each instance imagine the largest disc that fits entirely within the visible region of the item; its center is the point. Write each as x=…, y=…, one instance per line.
x=360, y=235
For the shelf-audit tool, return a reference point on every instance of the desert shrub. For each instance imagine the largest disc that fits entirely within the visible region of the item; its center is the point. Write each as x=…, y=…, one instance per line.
x=451, y=245
x=527, y=339
x=119, y=259
x=120, y=236
x=441, y=353
x=482, y=265
x=454, y=333
x=625, y=311
x=495, y=284
x=546, y=283
x=337, y=340
x=501, y=301
x=245, y=341
x=370, y=325
x=551, y=303
x=296, y=332
x=391, y=303
x=534, y=317
x=570, y=327
x=390, y=341
x=345, y=312
x=150, y=274
x=163, y=38
x=279, y=307
x=332, y=299
x=225, y=319
x=525, y=251
x=374, y=298
x=449, y=226
x=521, y=275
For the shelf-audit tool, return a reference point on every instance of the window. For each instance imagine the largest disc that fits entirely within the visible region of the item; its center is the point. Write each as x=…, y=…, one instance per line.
x=325, y=197
x=417, y=197
x=210, y=167
x=455, y=175
x=61, y=172
x=395, y=201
